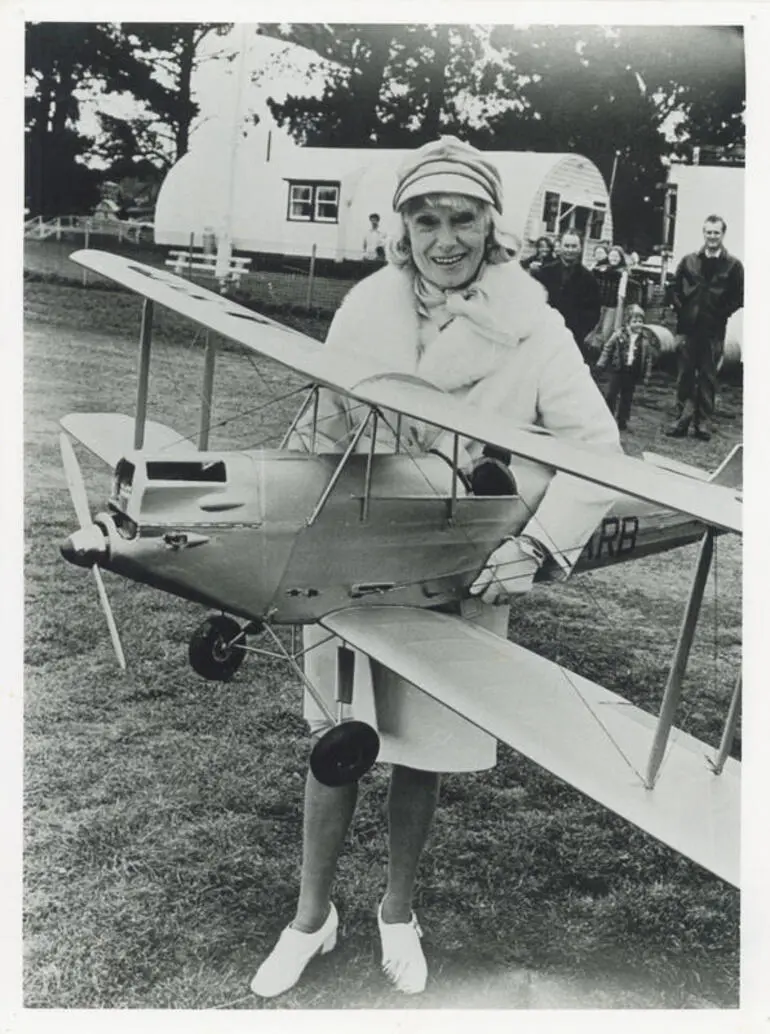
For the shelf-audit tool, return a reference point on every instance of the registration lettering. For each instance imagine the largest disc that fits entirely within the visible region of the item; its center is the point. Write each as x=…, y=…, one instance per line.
x=615, y=538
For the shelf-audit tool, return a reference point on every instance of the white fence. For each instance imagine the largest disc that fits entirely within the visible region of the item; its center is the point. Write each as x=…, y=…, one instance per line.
x=39, y=229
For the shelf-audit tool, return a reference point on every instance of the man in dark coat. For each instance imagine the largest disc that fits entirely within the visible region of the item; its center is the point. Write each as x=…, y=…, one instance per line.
x=707, y=290
x=572, y=289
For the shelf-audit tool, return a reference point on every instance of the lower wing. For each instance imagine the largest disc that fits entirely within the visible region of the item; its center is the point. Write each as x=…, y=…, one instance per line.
x=579, y=731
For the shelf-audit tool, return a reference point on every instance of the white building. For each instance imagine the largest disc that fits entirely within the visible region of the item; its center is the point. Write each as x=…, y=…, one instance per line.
x=276, y=197
x=703, y=190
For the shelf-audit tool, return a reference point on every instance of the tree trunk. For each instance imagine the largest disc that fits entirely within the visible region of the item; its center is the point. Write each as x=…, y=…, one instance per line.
x=431, y=127
x=186, y=65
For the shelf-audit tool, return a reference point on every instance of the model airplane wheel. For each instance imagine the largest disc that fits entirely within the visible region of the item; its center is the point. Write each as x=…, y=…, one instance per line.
x=211, y=653
x=344, y=753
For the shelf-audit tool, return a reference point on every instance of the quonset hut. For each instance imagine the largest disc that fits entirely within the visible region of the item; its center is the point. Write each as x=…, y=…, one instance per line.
x=268, y=195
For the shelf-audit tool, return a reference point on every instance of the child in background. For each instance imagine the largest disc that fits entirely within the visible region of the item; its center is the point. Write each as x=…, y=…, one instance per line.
x=630, y=353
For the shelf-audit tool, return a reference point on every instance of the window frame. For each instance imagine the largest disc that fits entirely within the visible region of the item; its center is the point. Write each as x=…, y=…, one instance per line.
x=599, y=208
x=555, y=211
x=313, y=201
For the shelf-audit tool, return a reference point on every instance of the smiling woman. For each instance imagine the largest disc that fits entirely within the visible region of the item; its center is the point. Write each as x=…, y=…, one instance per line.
x=448, y=233
x=451, y=308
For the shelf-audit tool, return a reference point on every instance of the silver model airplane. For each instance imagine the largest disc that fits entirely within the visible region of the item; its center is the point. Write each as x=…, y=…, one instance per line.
x=369, y=544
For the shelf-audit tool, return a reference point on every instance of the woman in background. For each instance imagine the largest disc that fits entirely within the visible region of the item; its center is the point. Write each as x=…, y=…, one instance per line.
x=543, y=254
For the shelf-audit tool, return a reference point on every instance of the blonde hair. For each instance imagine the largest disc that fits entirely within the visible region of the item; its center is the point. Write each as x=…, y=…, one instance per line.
x=501, y=246
x=632, y=310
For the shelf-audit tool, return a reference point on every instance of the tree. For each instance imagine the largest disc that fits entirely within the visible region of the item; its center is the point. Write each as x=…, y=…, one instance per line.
x=166, y=56
x=577, y=92
x=61, y=60
x=612, y=92
x=697, y=73
x=386, y=85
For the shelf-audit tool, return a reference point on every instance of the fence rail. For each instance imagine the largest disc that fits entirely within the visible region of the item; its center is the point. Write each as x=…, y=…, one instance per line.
x=38, y=228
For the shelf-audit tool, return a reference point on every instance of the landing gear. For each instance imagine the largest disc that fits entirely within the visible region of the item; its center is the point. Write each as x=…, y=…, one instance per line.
x=344, y=753
x=216, y=648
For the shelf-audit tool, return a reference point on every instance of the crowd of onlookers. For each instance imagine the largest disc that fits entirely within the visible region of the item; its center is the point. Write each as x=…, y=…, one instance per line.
x=604, y=308
x=605, y=305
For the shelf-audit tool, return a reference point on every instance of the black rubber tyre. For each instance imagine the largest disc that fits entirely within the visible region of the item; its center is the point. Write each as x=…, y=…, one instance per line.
x=209, y=652
x=344, y=753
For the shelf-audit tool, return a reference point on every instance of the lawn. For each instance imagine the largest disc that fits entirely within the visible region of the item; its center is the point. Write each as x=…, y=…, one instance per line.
x=163, y=813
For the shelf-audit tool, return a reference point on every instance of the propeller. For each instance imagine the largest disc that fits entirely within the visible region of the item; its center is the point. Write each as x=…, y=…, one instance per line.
x=76, y=485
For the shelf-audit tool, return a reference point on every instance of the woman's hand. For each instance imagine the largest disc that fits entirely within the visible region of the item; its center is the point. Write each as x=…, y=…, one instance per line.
x=509, y=571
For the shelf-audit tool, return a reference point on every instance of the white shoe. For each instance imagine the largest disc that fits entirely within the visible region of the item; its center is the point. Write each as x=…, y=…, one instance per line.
x=402, y=957
x=286, y=962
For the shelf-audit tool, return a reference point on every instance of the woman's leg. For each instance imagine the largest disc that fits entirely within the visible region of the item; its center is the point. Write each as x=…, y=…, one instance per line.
x=328, y=812
x=411, y=806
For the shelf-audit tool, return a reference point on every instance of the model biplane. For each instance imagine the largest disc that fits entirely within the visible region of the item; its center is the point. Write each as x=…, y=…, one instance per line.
x=377, y=546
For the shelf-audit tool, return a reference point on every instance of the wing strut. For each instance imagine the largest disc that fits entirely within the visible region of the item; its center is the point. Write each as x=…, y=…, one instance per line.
x=369, y=462
x=673, y=691
x=143, y=379
x=340, y=467
x=310, y=396
x=209, y=362
x=730, y=726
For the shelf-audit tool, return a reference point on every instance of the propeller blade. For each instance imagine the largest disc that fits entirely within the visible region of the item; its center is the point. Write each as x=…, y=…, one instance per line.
x=75, y=482
x=110, y=619
x=77, y=487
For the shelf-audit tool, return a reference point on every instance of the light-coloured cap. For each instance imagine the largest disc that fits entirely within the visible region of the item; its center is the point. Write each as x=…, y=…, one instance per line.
x=448, y=166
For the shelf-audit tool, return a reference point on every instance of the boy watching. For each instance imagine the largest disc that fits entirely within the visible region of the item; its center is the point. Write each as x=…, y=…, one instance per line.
x=630, y=353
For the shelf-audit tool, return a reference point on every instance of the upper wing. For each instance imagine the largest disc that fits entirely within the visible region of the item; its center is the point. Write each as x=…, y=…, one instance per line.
x=369, y=382
x=578, y=730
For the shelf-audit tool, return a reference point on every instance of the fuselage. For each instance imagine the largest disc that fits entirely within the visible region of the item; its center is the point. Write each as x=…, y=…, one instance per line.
x=271, y=535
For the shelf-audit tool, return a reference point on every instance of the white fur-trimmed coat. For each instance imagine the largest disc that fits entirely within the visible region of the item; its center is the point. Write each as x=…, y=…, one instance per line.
x=524, y=364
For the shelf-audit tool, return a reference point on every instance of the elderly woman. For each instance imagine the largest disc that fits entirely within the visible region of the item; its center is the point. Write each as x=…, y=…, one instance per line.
x=453, y=308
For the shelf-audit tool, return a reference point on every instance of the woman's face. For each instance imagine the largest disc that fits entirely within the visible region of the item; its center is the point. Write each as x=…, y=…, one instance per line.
x=447, y=235
x=543, y=248
x=615, y=257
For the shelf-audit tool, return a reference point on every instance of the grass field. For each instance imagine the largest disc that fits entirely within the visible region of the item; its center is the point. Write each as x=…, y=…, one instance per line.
x=163, y=813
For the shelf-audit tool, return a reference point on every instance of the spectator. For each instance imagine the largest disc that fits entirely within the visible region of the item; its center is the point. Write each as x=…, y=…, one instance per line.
x=601, y=259
x=572, y=289
x=374, y=240
x=707, y=290
x=608, y=278
x=542, y=256
x=629, y=352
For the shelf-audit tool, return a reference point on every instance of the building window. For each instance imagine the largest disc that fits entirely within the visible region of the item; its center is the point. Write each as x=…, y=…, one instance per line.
x=327, y=199
x=300, y=202
x=550, y=211
x=313, y=202
x=596, y=226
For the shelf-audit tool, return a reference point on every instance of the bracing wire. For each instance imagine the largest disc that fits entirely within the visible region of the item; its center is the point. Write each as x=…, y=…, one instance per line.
x=565, y=674
x=409, y=452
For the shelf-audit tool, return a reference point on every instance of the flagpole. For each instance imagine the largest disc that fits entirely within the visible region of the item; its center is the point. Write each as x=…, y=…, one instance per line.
x=225, y=240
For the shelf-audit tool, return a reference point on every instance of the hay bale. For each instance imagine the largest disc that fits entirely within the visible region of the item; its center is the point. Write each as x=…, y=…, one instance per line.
x=666, y=340
x=733, y=352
